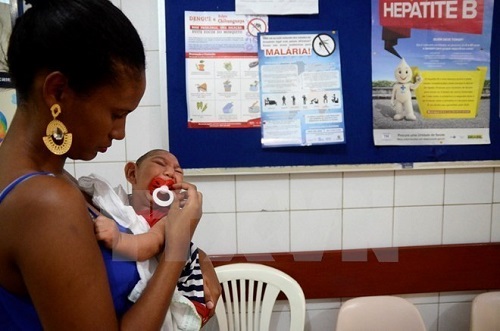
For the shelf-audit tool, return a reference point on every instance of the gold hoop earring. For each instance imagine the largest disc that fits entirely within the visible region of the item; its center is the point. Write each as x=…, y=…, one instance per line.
x=57, y=138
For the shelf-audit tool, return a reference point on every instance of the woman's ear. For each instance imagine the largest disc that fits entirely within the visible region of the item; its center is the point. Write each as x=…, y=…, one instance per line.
x=130, y=172
x=54, y=87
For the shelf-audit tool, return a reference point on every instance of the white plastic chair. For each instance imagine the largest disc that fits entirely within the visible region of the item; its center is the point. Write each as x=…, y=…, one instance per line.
x=485, y=314
x=249, y=295
x=379, y=313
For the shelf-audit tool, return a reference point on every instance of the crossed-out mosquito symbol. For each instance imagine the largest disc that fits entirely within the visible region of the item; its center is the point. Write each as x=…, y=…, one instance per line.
x=323, y=45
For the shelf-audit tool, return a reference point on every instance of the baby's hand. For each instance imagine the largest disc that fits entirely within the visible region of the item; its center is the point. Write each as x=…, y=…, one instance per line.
x=106, y=231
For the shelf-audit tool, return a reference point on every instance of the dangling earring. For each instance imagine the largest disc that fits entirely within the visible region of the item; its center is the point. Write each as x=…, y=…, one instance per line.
x=57, y=132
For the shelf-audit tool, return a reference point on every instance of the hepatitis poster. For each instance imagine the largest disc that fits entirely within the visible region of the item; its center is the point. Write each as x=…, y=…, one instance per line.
x=431, y=71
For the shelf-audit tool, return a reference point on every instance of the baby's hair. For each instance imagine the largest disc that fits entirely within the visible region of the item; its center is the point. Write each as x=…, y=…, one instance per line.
x=91, y=42
x=149, y=154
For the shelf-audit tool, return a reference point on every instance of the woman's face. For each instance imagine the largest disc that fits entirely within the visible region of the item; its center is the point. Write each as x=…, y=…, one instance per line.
x=95, y=120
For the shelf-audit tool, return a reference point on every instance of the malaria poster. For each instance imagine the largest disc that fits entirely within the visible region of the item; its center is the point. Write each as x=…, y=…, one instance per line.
x=431, y=71
x=300, y=89
x=222, y=69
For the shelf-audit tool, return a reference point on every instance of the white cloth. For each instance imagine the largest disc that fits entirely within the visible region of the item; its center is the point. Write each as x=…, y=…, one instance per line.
x=182, y=313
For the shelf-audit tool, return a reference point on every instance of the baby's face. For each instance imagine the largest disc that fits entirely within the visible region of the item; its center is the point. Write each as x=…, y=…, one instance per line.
x=160, y=164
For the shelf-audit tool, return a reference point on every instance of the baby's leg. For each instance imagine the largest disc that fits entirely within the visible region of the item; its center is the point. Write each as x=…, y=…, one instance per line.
x=190, y=283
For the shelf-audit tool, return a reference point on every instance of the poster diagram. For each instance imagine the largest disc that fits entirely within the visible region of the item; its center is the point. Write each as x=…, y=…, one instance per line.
x=222, y=69
x=431, y=72
x=301, y=89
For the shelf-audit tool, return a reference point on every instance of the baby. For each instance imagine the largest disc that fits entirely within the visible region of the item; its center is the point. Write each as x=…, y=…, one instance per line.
x=146, y=220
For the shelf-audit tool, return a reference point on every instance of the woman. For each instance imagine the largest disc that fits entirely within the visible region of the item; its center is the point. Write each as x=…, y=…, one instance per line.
x=78, y=68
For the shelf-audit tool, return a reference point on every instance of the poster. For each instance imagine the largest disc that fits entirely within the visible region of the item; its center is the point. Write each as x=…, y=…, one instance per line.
x=277, y=7
x=222, y=69
x=8, y=104
x=5, y=30
x=431, y=72
x=301, y=89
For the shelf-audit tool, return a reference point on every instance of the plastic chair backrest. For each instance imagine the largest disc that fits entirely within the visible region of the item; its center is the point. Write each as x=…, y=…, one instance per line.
x=485, y=314
x=375, y=313
x=249, y=295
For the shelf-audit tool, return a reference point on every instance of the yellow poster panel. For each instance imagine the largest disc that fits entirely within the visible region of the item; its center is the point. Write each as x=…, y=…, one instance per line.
x=450, y=94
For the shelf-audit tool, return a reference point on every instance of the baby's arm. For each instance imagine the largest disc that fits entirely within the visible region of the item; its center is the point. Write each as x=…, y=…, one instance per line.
x=106, y=231
x=138, y=247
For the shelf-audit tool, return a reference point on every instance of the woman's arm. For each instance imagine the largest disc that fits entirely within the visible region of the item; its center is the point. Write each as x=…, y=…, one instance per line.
x=59, y=259
x=62, y=266
x=211, y=285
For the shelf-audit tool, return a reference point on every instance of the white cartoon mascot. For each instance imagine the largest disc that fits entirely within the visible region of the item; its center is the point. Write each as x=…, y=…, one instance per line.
x=401, y=92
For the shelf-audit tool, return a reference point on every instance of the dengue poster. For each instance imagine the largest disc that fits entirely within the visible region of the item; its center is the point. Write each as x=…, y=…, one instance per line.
x=222, y=69
x=301, y=89
x=431, y=71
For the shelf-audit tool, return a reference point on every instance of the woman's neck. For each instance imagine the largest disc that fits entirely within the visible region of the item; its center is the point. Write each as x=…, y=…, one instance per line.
x=23, y=148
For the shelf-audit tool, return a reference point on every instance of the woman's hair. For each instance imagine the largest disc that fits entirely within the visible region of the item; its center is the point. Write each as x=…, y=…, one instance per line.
x=89, y=41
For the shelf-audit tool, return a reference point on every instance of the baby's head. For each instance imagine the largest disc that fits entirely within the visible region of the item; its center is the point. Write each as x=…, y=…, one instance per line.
x=155, y=163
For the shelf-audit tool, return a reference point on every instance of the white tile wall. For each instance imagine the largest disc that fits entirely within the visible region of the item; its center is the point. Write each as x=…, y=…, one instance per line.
x=292, y=212
x=495, y=223
x=429, y=313
x=364, y=189
x=262, y=193
x=316, y=230
x=454, y=316
x=216, y=233
x=496, y=186
x=152, y=95
x=467, y=224
x=418, y=226
x=117, y=3
x=367, y=228
x=468, y=186
x=116, y=152
x=219, y=193
x=315, y=191
x=144, y=131
x=144, y=14
x=263, y=232
x=419, y=188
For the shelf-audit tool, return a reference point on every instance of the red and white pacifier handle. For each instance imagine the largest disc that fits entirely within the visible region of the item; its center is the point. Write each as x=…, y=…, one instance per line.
x=161, y=188
x=164, y=191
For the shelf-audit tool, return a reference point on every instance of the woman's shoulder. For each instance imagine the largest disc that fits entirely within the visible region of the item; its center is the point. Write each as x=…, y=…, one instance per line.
x=44, y=197
x=44, y=216
x=41, y=185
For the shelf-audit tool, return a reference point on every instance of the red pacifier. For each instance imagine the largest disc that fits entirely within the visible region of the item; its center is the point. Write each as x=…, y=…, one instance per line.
x=160, y=190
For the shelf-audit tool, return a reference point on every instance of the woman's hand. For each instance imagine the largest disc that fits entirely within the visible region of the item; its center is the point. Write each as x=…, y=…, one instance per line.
x=211, y=285
x=183, y=217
